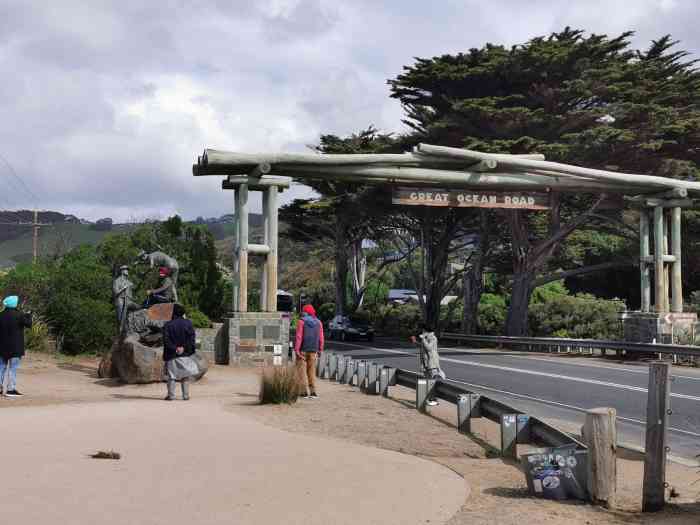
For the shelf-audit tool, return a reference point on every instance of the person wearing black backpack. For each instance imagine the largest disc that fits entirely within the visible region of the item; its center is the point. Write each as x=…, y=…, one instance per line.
x=12, y=325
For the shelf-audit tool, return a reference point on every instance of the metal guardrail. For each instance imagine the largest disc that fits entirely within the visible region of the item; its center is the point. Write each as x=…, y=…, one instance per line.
x=516, y=427
x=591, y=344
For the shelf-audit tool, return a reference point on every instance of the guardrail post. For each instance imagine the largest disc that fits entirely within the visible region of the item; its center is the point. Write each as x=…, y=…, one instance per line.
x=600, y=435
x=361, y=374
x=424, y=387
x=321, y=365
x=349, y=371
x=384, y=382
x=340, y=369
x=467, y=408
x=523, y=429
x=332, y=366
x=392, y=376
x=509, y=435
x=372, y=377
x=658, y=410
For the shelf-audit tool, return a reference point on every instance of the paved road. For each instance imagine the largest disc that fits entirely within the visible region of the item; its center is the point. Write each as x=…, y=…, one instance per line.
x=558, y=387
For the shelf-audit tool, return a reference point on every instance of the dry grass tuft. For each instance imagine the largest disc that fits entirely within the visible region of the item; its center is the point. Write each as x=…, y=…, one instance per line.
x=279, y=384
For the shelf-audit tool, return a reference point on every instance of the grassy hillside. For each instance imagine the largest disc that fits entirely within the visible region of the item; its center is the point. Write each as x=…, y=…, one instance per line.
x=53, y=240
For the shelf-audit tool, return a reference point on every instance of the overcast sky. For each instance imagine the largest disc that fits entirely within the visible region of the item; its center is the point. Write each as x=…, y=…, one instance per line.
x=104, y=105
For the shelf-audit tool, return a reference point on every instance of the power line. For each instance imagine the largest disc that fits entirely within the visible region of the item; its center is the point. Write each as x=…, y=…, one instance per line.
x=19, y=179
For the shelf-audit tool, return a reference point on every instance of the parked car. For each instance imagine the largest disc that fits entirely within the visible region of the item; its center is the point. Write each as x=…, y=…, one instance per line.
x=350, y=327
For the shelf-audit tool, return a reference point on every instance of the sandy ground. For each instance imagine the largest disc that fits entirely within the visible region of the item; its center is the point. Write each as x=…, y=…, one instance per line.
x=492, y=491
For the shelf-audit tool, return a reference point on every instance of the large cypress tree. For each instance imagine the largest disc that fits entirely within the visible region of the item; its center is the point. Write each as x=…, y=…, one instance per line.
x=588, y=100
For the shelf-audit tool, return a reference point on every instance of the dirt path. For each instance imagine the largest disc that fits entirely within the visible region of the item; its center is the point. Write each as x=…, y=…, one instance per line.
x=495, y=490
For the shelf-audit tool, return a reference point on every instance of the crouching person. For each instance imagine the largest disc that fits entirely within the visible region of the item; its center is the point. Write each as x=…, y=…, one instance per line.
x=428, y=356
x=178, y=347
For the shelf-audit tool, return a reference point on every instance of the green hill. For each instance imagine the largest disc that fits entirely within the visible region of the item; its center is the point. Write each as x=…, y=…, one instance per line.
x=53, y=240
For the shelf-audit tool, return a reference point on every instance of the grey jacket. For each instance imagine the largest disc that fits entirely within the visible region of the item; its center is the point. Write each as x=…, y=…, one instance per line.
x=429, y=356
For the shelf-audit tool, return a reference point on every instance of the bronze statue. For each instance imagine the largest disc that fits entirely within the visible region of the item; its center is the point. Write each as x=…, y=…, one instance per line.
x=123, y=296
x=163, y=260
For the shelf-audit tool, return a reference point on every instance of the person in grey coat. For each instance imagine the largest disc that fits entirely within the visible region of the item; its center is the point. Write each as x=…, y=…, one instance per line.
x=428, y=356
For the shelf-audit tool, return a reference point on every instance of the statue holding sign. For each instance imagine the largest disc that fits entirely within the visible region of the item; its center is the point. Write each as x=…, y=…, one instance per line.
x=163, y=260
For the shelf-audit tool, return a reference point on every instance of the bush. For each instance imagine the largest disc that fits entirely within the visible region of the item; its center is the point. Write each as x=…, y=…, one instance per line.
x=279, y=384
x=580, y=316
x=37, y=339
x=398, y=320
x=326, y=312
x=199, y=320
x=492, y=314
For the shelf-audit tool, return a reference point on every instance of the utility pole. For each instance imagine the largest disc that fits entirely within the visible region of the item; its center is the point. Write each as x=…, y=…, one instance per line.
x=35, y=224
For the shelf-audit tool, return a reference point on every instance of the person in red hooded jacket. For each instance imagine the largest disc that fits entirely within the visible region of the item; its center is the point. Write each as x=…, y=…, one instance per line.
x=308, y=344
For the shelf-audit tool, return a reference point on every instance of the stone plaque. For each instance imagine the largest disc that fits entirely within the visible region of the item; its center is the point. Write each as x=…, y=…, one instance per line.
x=271, y=332
x=248, y=332
x=470, y=199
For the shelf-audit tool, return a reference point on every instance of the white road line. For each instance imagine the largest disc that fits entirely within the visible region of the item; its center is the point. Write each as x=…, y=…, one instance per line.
x=571, y=407
x=537, y=373
x=588, y=365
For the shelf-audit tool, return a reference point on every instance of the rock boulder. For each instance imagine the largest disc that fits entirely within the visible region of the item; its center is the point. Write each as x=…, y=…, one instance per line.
x=134, y=362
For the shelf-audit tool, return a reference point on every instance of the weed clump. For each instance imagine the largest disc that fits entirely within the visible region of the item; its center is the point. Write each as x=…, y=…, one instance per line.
x=279, y=384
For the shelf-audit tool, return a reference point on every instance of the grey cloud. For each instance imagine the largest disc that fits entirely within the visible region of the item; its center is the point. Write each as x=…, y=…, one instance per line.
x=105, y=105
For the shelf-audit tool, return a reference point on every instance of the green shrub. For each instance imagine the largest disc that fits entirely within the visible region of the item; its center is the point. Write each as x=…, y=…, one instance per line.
x=492, y=314
x=279, y=384
x=37, y=339
x=398, y=320
x=199, y=320
x=580, y=316
x=326, y=312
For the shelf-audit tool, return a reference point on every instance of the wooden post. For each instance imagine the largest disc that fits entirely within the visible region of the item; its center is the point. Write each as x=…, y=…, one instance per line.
x=600, y=434
x=341, y=368
x=332, y=366
x=361, y=374
x=667, y=302
x=676, y=280
x=645, y=276
x=659, y=291
x=349, y=371
x=271, y=262
x=35, y=237
x=241, y=298
x=658, y=409
x=266, y=242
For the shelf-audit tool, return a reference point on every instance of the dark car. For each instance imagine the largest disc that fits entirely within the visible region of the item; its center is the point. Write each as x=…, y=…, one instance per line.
x=345, y=327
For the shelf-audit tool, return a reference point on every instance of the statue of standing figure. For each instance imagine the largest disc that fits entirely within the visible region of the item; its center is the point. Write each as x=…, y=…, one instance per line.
x=163, y=260
x=123, y=296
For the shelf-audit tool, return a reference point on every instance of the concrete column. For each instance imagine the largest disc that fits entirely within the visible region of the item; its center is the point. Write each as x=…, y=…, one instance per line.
x=645, y=277
x=242, y=222
x=676, y=280
x=271, y=262
x=659, y=290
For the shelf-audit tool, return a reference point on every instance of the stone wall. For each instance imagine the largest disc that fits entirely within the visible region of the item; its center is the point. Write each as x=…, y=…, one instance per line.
x=254, y=339
x=207, y=339
x=664, y=328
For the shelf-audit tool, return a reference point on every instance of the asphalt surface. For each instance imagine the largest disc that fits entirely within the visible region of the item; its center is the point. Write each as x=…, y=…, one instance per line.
x=557, y=387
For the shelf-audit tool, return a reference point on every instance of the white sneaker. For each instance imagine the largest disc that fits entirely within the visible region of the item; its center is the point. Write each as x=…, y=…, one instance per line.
x=432, y=403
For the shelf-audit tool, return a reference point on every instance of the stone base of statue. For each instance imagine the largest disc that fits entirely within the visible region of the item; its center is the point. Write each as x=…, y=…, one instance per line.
x=137, y=355
x=131, y=361
x=664, y=328
x=253, y=339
